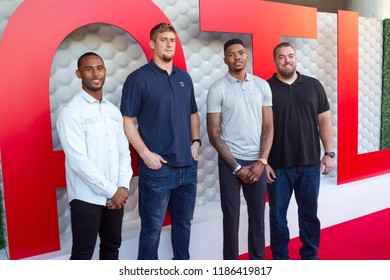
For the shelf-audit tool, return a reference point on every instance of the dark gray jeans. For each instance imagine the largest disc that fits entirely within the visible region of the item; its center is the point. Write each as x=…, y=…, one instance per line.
x=254, y=194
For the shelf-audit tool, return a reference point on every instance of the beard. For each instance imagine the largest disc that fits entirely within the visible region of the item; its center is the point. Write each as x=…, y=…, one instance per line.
x=167, y=58
x=287, y=74
x=238, y=70
x=91, y=87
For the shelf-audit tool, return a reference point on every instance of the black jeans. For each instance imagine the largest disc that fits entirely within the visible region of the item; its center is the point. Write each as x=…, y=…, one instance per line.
x=88, y=220
x=230, y=190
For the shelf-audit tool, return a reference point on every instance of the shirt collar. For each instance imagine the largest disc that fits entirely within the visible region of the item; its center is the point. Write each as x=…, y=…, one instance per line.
x=89, y=98
x=156, y=69
x=234, y=80
x=298, y=80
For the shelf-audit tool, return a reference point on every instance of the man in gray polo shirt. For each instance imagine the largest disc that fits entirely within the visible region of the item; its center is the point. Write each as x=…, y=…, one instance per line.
x=240, y=128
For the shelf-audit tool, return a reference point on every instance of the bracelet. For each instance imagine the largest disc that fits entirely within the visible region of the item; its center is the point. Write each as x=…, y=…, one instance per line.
x=197, y=140
x=236, y=169
x=263, y=161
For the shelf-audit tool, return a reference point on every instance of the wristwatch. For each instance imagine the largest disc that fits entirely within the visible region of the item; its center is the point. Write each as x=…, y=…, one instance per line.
x=197, y=140
x=331, y=154
x=263, y=161
x=236, y=169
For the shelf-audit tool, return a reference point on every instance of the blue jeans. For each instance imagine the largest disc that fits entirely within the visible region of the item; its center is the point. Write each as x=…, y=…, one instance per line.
x=254, y=194
x=305, y=182
x=168, y=187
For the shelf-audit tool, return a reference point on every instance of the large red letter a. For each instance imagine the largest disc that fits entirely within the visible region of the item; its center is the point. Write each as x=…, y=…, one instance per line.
x=31, y=170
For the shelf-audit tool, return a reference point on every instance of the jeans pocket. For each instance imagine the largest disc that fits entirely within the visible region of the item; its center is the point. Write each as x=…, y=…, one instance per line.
x=156, y=176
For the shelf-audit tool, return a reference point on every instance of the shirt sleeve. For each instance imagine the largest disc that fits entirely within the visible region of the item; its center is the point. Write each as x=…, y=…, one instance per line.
x=194, y=107
x=323, y=103
x=267, y=94
x=125, y=170
x=214, y=100
x=131, y=96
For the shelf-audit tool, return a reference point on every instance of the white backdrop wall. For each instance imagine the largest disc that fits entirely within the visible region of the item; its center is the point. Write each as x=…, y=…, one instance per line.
x=204, y=56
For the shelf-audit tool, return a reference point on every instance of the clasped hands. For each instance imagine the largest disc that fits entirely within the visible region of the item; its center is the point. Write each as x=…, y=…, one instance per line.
x=251, y=173
x=119, y=200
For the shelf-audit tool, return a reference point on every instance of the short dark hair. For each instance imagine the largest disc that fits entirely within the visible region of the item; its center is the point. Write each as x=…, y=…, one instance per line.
x=160, y=28
x=232, y=42
x=85, y=55
x=283, y=44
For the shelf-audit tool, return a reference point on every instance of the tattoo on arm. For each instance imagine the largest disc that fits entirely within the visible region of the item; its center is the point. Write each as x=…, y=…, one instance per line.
x=214, y=121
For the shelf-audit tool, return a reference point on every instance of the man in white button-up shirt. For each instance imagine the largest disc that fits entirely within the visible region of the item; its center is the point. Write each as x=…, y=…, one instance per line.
x=98, y=169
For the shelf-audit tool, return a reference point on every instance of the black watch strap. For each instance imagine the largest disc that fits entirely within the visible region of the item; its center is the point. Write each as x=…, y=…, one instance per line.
x=331, y=154
x=197, y=140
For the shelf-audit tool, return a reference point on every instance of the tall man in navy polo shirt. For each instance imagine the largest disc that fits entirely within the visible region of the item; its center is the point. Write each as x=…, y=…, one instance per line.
x=161, y=98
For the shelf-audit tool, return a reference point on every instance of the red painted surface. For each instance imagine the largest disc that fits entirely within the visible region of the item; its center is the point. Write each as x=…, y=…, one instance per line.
x=31, y=169
x=351, y=165
x=265, y=21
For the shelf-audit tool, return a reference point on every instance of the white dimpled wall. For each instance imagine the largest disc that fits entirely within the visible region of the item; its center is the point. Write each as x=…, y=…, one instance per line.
x=204, y=57
x=370, y=84
x=7, y=7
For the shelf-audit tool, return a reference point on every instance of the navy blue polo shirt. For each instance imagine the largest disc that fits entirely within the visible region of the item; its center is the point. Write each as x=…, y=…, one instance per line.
x=163, y=105
x=296, y=108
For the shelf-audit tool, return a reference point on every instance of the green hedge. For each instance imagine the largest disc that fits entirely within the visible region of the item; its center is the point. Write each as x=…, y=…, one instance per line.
x=385, y=121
